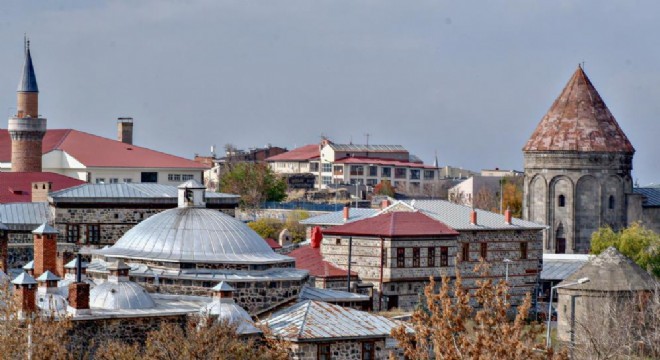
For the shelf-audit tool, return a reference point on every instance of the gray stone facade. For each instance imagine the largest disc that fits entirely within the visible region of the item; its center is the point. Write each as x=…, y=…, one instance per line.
x=575, y=193
x=342, y=350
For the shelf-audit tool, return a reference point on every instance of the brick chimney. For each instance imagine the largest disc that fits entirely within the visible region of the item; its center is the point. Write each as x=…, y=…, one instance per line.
x=347, y=212
x=507, y=216
x=125, y=130
x=48, y=283
x=78, y=292
x=63, y=258
x=40, y=191
x=384, y=204
x=4, y=240
x=45, y=249
x=24, y=294
x=223, y=292
x=317, y=237
x=473, y=217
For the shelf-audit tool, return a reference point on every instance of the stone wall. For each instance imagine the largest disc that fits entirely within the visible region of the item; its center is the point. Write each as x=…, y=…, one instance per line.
x=342, y=350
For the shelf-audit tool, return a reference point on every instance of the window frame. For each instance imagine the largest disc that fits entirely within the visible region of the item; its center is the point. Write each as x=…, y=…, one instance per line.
x=465, y=252
x=401, y=257
x=323, y=351
x=483, y=250
x=93, y=233
x=416, y=258
x=368, y=350
x=444, y=256
x=430, y=257
x=72, y=230
x=523, y=250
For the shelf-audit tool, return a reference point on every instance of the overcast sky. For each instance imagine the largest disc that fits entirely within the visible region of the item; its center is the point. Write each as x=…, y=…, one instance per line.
x=469, y=80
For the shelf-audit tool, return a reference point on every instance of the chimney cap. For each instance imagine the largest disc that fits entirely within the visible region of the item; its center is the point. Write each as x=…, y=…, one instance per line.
x=44, y=229
x=24, y=279
x=48, y=276
x=223, y=286
x=29, y=266
x=74, y=263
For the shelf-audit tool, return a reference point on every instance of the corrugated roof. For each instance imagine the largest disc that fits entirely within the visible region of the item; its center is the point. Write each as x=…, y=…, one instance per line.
x=310, y=259
x=579, y=120
x=651, y=195
x=311, y=320
x=369, y=148
x=337, y=217
x=127, y=190
x=330, y=295
x=96, y=151
x=307, y=152
x=24, y=216
x=17, y=186
x=560, y=269
x=382, y=162
x=394, y=224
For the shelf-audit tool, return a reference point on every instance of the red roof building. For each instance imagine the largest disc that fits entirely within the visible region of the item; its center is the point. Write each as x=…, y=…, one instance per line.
x=19, y=186
x=303, y=153
x=397, y=224
x=325, y=273
x=273, y=244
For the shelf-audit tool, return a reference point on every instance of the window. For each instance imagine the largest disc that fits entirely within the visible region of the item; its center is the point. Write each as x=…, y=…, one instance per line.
x=325, y=180
x=186, y=177
x=429, y=174
x=561, y=201
x=357, y=170
x=100, y=180
x=368, y=351
x=327, y=167
x=72, y=233
x=338, y=170
x=173, y=177
x=373, y=170
x=114, y=181
x=523, y=250
x=400, y=173
x=611, y=202
x=484, y=251
x=94, y=234
x=444, y=256
x=414, y=174
x=372, y=182
x=465, y=253
x=323, y=352
x=431, y=257
x=128, y=180
x=314, y=167
x=415, y=257
x=149, y=177
x=400, y=257
x=386, y=172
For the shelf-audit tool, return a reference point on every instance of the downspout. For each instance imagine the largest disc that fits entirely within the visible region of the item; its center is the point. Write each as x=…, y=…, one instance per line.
x=380, y=292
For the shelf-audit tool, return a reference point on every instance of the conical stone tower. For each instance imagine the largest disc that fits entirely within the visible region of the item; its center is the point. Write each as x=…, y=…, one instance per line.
x=577, y=169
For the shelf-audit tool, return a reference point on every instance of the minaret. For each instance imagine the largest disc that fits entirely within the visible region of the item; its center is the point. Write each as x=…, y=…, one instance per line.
x=27, y=129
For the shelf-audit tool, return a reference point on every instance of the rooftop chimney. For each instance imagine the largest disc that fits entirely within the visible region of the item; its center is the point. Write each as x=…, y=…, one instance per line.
x=125, y=130
x=223, y=292
x=48, y=283
x=507, y=216
x=45, y=249
x=347, y=211
x=63, y=258
x=78, y=293
x=473, y=217
x=385, y=203
x=317, y=237
x=24, y=294
x=40, y=191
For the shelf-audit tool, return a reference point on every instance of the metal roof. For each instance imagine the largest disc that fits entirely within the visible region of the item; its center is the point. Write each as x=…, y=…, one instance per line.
x=369, y=148
x=222, y=286
x=330, y=295
x=194, y=235
x=311, y=320
x=45, y=229
x=120, y=295
x=28, y=81
x=24, y=216
x=48, y=276
x=651, y=195
x=227, y=310
x=24, y=279
x=128, y=191
x=560, y=266
x=337, y=217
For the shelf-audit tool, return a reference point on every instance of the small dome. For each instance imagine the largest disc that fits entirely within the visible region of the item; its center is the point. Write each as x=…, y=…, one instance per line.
x=232, y=313
x=194, y=235
x=120, y=295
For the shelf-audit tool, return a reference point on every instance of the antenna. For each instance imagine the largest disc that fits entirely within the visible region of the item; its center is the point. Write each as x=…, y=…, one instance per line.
x=367, y=136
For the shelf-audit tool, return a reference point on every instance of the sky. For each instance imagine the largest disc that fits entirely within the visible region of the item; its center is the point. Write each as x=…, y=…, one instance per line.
x=466, y=80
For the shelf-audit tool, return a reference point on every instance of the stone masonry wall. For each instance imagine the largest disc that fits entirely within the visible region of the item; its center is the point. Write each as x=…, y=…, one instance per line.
x=341, y=350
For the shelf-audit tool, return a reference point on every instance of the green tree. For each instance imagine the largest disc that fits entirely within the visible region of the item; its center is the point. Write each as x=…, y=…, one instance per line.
x=267, y=227
x=384, y=188
x=296, y=229
x=512, y=195
x=255, y=183
x=640, y=244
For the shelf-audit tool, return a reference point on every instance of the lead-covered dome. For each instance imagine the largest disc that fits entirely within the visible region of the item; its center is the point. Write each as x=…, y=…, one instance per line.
x=113, y=295
x=194, y=235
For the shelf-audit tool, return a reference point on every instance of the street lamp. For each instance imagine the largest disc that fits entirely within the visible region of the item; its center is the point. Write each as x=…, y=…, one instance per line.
x=506, y=276
x=549, y=314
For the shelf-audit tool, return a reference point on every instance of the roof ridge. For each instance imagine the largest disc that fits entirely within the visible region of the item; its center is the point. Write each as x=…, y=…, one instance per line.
x=304, y=320
x=62, y=139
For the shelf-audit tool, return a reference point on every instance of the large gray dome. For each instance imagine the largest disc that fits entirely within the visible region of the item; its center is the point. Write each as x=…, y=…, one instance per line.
x=194, y=235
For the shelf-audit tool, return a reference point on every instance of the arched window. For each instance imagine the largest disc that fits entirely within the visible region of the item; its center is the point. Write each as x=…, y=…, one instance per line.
x=561, y=201
x=611, y=202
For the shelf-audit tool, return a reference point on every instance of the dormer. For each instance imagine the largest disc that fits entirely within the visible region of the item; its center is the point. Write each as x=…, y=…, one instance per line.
x=191, y=194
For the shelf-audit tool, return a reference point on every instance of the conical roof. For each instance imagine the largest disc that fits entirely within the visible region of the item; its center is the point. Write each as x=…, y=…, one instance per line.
x=612, y=271
x=44, y=229
x=579, y=120
x=28, y=81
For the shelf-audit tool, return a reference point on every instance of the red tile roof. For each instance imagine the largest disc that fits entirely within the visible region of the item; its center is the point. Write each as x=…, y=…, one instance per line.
x=579, y=120
x=273, y=244
x=17, y=186
x=310, y=259
x=394, y=224
x=385, y=162
x=96, y=151
x=307, y=152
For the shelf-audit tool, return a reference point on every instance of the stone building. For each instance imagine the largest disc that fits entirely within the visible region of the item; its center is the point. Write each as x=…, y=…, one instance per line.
x=189, y=249
x=577, y=169
x=443, y=236
x=318, y=330
x=616, y=288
